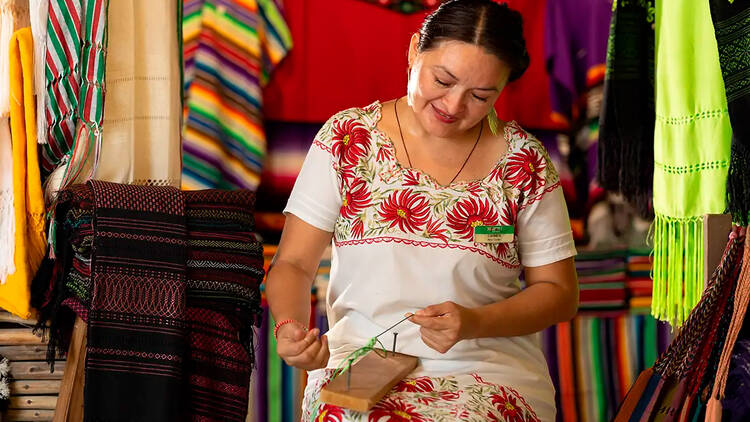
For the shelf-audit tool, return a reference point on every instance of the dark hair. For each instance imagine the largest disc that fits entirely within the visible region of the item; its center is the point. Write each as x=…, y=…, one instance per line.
x=495, y=27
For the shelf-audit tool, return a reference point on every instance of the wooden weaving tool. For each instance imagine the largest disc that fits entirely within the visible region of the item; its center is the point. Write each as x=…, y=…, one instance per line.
x=371, y=378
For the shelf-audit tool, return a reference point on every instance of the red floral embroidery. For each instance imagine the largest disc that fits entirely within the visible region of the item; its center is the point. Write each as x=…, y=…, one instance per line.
x=435, y=231
x=405, y=209
x=507, y=406
x=384, y=154
x=523, y=169
x=351, y=141
x=395, y=410
x=517, y=131
x=459, y=413
x=330, y=413
x=411, y=178
x=356, y=199
x=509, y=213
x=422, y=384
x=427, y=400
x=470, y=213
x=449, y=395
x=475, y=188
x=358, y=229
x=507, y=218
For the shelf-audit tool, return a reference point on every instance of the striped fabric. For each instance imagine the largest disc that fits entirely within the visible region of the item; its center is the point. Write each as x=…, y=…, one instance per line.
x=230, y=47
x=76, y=43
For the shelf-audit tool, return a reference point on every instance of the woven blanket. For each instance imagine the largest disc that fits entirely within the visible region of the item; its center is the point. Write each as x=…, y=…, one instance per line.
x=224, y=272
x=168, y=282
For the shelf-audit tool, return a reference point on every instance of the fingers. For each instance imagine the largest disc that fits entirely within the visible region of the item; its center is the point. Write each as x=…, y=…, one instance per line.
x=324, y=353
x=288, y=346
x=435, y=341
x=431, y=322
x=437, y=310
x=308, y=354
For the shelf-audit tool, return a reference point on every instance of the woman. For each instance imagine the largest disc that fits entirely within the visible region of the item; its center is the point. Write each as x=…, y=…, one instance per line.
x=406, y=189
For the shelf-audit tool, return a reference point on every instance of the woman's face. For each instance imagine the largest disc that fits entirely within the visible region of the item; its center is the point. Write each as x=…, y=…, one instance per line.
x=453, y=86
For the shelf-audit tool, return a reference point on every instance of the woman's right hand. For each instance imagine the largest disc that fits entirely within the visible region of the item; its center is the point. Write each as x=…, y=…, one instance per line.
x=302, y=350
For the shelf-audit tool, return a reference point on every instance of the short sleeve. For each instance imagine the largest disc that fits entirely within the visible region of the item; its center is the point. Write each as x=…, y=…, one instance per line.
x=316, y=198
x=543, y=225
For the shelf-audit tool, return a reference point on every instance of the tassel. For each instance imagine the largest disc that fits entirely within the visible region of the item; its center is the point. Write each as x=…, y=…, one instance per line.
x=678, y=267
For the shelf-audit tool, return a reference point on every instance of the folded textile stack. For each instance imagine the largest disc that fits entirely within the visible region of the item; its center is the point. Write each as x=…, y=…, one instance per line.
x=601, y=277
x=593, y=361
x=168, y=282
x=639, y=284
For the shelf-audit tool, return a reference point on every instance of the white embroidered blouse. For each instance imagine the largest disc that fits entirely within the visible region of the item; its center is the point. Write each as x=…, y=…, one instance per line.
x=402, y=242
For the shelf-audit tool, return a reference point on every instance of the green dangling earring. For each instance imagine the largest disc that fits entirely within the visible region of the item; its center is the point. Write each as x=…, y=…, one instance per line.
x=493, y=121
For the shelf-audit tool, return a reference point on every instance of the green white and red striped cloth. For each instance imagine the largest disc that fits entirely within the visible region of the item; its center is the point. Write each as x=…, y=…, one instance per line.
x=75, y=64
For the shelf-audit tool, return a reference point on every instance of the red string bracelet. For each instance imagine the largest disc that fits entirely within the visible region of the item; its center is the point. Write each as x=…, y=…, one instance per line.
x=286, y=321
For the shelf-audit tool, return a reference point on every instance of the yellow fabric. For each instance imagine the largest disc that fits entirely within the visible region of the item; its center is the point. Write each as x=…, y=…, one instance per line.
x=28, y=204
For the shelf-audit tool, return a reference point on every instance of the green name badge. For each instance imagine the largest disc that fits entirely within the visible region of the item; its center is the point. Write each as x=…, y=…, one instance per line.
x=493, y=234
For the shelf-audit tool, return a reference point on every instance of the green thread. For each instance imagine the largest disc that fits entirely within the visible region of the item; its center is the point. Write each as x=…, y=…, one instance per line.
x=346, y=365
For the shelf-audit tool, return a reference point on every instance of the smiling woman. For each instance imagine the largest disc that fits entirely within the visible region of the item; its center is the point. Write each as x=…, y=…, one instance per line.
x=432, y=212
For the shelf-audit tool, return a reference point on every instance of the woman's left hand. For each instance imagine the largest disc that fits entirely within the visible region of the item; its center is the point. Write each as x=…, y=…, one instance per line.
x=445, y=324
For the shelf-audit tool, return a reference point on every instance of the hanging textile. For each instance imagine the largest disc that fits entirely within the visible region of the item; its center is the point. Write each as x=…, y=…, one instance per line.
x=671, y=386
x=224, y=272
x=14, y=15
x=141, y=132
x=732, y=28
x=691, y=153
x=406, y=6
x=741, y=299
x=38, y=10
x=120, y=243
x=296, y=94
x=76, y=60
x=28, y=205
x=129, y=325
x=626, y=132
x=230, y=50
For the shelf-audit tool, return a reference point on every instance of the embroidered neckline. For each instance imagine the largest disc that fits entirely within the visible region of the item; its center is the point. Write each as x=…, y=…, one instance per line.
x=403, y=170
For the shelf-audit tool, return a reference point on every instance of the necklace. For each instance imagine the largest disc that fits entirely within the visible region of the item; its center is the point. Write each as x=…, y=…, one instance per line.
x=398, y=122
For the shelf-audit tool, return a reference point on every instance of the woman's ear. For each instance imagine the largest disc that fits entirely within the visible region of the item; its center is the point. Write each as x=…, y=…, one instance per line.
x=413, y=48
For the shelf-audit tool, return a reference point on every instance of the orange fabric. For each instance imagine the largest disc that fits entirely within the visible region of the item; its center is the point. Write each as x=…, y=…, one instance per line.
x=28, y=202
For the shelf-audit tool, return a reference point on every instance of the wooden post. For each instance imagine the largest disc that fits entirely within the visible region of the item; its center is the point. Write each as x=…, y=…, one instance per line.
x=716, y=229
x=69, y=407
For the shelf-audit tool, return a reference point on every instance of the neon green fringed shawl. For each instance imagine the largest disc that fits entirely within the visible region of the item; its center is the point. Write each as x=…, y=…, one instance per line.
x=691, y=152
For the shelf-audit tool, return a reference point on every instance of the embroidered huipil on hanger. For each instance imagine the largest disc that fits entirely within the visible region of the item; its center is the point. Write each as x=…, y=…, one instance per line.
x=230, y=49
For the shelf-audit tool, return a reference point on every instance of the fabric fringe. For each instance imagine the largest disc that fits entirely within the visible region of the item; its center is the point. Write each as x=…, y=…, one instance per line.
x=738, y=183
x=39, y=12
x=678, y=267
x=626, y=133
x=13, y=14
x=7, y=235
